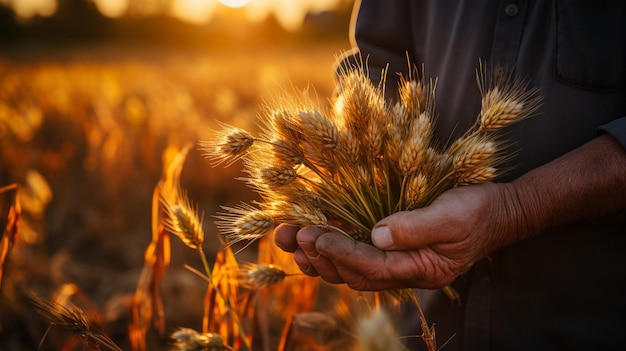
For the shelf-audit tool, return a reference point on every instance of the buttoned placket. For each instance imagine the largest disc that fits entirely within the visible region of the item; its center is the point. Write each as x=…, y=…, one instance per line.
x=507, y=38
x=508, y=32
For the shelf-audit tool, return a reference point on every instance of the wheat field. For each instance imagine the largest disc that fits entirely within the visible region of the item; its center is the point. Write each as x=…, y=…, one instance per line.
x=87, y=135
x=139, y=189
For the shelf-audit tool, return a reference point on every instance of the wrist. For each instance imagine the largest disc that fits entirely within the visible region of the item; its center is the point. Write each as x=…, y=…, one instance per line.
x=525, y=212
x=583, y=185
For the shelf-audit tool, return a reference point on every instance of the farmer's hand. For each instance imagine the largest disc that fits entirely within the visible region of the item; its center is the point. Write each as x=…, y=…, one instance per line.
x=429, y=247
x=425, y=248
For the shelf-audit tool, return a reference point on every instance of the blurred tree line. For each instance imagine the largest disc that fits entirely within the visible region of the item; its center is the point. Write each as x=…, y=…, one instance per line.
x=147, y=22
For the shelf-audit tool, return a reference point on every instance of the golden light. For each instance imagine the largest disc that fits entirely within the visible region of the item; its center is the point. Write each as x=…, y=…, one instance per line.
x=112, y=8
x=289, y=13
x=235, y=3
x=30, y=8
x=195, y=11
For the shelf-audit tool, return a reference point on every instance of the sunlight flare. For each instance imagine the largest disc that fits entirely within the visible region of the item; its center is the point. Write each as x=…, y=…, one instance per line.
x=235, y=3
x=112, y=8
x=194, y=11
x=30, y=8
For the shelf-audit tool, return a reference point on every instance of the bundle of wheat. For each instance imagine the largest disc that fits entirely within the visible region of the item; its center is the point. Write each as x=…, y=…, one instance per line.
x=347, y=167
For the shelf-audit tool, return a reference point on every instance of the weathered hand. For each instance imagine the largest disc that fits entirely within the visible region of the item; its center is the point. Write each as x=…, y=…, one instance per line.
x=425, y=248
x=429, y=247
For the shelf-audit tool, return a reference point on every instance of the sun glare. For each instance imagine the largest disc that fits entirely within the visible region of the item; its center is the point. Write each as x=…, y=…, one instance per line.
x=195, y=11
x=112, y=8
x=235, y=3
x=30, y=8
x=289, y=13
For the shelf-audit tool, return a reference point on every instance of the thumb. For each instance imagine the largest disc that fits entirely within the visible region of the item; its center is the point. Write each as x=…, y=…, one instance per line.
x=406, y=230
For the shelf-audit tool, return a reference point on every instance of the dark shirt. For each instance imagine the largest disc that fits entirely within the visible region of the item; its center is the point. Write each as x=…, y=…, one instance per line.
x=566, y=288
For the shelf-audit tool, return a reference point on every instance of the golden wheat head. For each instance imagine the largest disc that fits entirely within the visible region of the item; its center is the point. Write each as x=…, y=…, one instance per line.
x=257, y=276
x=227, y=145
x=187, y=339
x=182, y=219
x=244, y=223
x=506, y=99
x=72, y=318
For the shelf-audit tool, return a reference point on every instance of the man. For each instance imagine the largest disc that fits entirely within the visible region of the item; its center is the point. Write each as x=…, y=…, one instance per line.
x=539, y=257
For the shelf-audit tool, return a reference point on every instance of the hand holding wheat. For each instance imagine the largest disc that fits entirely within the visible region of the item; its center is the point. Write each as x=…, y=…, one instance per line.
x=431, y=246
x=344, y=169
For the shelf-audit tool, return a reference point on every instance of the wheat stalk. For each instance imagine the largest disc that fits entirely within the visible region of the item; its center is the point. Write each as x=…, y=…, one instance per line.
x=244, y=223
x=258, y=276
x=505, y=98
x=72, y=318
x=181, y=219
x=229, y=144
x=187, y=339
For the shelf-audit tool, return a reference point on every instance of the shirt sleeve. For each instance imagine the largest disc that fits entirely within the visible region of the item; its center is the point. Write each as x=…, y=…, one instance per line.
x=617, y=129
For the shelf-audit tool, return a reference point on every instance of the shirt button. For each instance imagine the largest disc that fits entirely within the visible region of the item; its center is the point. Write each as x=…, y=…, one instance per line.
x=511, y=10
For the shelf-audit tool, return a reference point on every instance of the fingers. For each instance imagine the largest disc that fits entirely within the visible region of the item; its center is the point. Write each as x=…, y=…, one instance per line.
x=339, y=259
x=301, y=242
x=309, y=259
x=445, y=220
x=285, y=237
x=404, y=230
x=355, y=262
x=364, y=267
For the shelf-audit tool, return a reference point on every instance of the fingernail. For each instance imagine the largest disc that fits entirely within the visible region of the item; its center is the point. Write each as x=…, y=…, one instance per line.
x=381, y=237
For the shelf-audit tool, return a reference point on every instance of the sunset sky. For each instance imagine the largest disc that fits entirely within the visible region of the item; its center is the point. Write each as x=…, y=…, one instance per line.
x=289, y=13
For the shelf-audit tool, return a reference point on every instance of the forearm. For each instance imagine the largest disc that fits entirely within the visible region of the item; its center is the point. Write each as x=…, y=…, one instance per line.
x=585, y=184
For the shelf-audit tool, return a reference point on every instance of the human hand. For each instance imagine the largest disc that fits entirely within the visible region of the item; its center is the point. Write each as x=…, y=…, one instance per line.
x=423, y=248
x=430, y=247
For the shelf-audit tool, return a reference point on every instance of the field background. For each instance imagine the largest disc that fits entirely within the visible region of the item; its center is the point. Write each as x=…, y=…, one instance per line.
x=87, y=116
